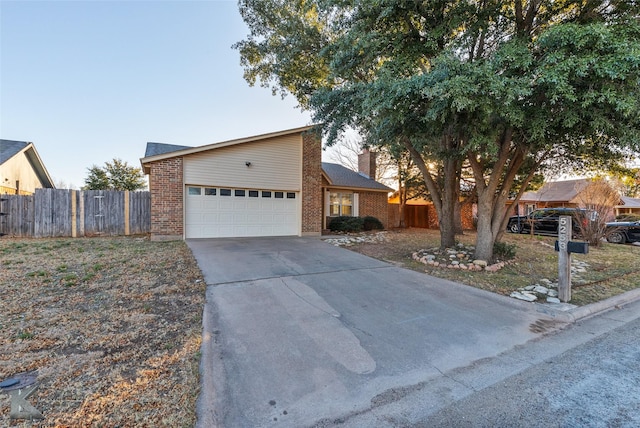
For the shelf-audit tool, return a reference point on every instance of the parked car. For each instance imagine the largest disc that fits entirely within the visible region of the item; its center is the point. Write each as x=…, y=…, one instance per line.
x=545, y=220
x=620, y=232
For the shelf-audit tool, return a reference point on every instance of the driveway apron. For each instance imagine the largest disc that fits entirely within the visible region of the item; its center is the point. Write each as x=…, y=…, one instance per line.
x=297, y=332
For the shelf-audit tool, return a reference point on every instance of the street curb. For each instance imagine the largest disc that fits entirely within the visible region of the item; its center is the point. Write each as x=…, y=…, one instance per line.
x=582, y=312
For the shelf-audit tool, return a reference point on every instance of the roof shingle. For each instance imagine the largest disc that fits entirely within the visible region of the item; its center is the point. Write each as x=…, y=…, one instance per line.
x=340, y=176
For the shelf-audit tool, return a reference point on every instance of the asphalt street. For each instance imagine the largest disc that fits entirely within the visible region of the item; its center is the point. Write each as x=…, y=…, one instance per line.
x=300, y=333
x=595, y=384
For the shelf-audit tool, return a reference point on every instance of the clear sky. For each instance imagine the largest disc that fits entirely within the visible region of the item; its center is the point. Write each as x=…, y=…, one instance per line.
x=90, y=81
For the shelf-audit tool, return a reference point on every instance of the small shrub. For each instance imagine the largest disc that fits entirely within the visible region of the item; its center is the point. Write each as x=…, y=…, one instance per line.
x=371, y=223
x=346, y=224
x=502, y=250
x=628, y=217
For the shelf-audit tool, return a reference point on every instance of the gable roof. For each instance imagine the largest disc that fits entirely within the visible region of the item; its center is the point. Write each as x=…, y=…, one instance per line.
x=340, y=176
x=11, y=148
x=628, y=202
x=188, y=150
x=336, y=175
x=557, y=191
x=154, y=149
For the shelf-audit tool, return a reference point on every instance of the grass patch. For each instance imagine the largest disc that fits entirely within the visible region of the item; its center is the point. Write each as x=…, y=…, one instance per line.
x=613, y=269
x=113, y=344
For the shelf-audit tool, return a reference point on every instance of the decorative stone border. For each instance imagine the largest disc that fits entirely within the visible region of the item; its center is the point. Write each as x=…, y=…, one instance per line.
x=349, y=240
x=547, y=289
x=460, y=257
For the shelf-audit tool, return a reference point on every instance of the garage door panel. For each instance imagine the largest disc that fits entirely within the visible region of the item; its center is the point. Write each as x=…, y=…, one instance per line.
x=262, y=214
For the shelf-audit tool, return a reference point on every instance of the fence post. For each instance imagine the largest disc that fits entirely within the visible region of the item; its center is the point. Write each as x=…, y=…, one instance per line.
x=81, y=213
x=127, y=221
x=74, y=222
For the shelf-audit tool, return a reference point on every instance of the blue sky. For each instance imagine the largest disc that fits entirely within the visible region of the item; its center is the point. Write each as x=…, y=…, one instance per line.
x=89, y=81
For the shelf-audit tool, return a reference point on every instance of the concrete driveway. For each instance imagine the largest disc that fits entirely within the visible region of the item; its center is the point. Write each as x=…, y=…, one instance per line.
x=298, y=332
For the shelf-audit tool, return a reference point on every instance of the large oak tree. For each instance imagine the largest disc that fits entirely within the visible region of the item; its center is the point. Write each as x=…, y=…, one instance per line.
x=501, y=86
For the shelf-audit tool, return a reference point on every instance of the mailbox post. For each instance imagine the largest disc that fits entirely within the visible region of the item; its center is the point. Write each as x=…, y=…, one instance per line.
x=564, y=247
x=564, y=258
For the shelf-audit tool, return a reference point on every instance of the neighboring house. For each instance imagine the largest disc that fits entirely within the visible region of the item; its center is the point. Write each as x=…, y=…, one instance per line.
x=628, y=206
x=267, y=185
x=420, y=212
x=569, y=193
x=21, y=169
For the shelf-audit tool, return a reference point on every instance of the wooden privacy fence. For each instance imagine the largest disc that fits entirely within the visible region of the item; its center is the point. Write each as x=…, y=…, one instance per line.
x=75, y=213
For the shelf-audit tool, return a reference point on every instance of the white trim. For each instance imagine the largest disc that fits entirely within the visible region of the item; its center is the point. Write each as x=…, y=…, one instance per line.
x=355, y=209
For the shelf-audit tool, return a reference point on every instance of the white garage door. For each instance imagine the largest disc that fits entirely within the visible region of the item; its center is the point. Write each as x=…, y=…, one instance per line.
x=214, y=212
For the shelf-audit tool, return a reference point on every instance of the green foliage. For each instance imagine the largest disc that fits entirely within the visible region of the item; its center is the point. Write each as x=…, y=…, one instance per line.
x=354, y=224
x=371, y=223
x=115, y=175
x=346, y=224
x=504, y=251
x=504, y=87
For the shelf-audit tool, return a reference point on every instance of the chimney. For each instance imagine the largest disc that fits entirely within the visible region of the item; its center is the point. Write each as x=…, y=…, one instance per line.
x=367, y=163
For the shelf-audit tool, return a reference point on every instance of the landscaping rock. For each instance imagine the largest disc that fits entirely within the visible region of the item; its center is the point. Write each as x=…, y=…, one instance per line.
x=524, y=296
x=540, y=289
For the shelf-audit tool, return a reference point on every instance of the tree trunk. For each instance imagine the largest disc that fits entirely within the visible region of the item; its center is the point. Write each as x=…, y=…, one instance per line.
x=449, y=200
x=402, y=198
x=485, y=237
x=443, y=199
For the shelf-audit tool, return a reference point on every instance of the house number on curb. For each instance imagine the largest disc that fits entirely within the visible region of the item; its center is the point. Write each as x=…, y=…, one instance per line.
x=564, y=259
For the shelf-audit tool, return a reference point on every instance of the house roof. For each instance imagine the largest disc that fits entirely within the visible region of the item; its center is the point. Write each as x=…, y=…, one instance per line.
x=11, y=148
x=628, y=202
x=336, y=175
x=557, y=191
x=340, y=176
x=154, y=149
x=188, y=150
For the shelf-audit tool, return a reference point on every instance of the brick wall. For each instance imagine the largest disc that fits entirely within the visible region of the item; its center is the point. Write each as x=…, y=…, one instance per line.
x=166, y=188
x=374, y=204
x=311, y=184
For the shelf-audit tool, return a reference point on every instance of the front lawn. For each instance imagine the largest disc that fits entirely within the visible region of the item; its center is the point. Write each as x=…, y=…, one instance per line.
x=112, y=325
x=611, y=269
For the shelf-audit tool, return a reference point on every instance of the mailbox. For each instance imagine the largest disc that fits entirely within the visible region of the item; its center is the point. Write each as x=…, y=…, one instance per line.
x=575, y=247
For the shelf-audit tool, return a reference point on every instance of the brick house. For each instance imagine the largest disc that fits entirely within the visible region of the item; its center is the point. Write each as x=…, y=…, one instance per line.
x=582, y=192
x=267, y=185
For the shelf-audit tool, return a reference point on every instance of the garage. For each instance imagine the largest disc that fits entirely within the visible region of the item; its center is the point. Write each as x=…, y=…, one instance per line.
x=218, y=212
x=265, y=185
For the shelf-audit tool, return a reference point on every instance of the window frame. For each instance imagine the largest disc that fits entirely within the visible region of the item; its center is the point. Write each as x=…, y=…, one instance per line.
x=339, y=197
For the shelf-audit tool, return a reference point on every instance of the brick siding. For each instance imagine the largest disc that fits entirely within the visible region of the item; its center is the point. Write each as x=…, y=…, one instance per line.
x=166, y=188
x=374, y=204
x=311, y=183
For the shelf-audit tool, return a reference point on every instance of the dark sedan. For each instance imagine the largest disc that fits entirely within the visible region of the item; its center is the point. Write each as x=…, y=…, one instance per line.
x=620, y=232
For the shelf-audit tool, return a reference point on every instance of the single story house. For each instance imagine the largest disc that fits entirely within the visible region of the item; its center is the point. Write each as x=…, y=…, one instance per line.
x=628, y=205
x=267, y=185
x=21, y=169
x=567, y=193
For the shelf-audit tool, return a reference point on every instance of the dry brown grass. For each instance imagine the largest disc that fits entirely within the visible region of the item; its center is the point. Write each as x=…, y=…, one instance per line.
x=613, y=269
x=112, y=325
